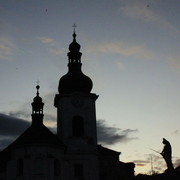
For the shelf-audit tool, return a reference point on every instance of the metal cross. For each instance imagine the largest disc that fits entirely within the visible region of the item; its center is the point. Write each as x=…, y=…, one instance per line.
x=74, y=26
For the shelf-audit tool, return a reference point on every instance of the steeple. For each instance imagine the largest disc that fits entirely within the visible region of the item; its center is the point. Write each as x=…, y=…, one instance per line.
x=76, y=121
x=74, y=80
x=74, y=55
x=37, y=108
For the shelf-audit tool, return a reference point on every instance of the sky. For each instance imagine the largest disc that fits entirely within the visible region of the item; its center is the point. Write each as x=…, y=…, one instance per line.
x=130, y=50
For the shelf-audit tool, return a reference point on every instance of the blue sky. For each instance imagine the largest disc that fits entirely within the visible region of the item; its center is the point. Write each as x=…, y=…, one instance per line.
x=130, y=50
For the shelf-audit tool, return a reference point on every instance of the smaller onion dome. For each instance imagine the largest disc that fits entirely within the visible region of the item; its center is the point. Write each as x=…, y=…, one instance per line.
x=74, y=46
x=74, y=55
x=37, y=104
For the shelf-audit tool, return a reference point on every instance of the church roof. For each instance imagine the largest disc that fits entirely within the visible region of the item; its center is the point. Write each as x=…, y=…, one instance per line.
x=74, y=80
x=108, y=152
x=37, y=134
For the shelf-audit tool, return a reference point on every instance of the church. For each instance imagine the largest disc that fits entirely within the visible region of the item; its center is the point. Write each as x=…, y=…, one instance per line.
x=73, y=153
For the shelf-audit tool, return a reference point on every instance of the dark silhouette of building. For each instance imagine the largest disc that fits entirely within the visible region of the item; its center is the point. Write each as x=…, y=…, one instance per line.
x=73, y=153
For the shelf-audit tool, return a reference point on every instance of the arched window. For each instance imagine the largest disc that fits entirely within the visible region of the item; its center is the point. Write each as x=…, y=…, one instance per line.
x=78, y=126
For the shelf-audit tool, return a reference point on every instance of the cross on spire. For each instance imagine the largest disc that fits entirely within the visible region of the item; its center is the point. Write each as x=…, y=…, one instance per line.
x=74, y=26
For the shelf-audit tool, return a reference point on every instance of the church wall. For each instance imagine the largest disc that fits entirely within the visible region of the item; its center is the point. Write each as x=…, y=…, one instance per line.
x=89, y=163
x=35, y=162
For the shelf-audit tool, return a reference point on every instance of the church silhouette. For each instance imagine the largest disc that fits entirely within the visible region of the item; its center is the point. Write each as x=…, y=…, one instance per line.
x=73, y=153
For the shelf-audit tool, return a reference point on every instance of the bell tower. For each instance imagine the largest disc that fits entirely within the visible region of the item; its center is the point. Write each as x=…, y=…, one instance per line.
x=76, y=120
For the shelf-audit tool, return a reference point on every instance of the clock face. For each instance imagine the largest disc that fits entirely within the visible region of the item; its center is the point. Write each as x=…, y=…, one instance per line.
x=77, y=102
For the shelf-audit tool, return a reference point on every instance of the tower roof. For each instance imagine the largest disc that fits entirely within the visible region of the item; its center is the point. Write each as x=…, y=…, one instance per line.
x=74, y=80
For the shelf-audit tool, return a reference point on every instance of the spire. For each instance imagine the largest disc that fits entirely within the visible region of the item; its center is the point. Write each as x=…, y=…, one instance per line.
x=74, y=55
x=74, y=26
x=37, y=108
x=74, y=80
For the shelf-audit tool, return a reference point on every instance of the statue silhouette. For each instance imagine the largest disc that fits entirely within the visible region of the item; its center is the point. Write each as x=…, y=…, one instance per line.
x=167, y=154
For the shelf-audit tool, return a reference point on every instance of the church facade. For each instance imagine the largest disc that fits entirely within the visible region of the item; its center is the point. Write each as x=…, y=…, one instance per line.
x=73, y=153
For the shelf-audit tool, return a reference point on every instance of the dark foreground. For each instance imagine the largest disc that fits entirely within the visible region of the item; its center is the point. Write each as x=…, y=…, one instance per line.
x=174, y=175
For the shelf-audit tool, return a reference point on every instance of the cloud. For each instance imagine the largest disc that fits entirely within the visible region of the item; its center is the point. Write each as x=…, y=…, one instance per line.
x=51, y=45
x=111, y=135
x=11, y=126
x=141, y=163
x=7, y=48
x=20, y=114
x=5, y=141
x=122, y=48
x=140, y=10
x=153, y=161
x=47, y=40
x=55, y=51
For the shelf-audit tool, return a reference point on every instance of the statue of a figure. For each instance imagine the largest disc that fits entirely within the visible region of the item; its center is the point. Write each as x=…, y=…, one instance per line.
x=167, y=154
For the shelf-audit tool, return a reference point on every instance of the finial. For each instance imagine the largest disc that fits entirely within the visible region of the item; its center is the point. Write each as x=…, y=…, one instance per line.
x=74, y=26
x=37, y=87
x=74, y=33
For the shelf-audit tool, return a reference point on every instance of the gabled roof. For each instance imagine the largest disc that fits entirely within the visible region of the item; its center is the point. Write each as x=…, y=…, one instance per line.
x=37, y=134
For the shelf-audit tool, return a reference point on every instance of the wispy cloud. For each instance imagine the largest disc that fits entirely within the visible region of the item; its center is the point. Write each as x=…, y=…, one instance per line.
x=11, y=126
x=156, y=163
x=122, y=48
x=110, y=135
x=7, y=48
x=55, y=51
x=138, y=10
x=142, y=11
x=141, y=163
x=47, y=40
x=51, y=45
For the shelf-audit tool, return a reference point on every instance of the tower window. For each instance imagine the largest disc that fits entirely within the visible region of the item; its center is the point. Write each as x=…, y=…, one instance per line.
x=78, y=126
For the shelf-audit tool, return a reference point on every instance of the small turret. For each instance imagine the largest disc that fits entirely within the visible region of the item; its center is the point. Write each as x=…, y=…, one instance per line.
x=37, y=108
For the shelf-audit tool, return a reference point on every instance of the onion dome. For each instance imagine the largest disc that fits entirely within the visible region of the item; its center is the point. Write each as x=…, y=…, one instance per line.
x=74, y=55
x=74, y=80
x=37, y=108
x=74, y=46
